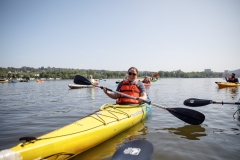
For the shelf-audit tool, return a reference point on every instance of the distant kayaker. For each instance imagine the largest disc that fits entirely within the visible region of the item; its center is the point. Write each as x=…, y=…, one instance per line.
x=146, y=80
x=154, y=77
x=130, y=86
x=91, y=79
x=233, y=79
x=14, y=77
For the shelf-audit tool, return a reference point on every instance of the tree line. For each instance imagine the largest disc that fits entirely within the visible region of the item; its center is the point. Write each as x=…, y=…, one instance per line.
x=68, y=73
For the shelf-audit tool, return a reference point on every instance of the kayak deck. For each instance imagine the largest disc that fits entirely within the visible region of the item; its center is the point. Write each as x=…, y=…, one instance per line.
x=83, y=134
x=227, y=84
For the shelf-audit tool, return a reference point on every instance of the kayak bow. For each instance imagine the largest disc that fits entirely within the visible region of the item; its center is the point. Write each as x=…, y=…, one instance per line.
x=81, y=135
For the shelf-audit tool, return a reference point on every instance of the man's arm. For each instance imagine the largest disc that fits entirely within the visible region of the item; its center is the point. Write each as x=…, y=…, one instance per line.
x=226, y=79
x=236, y=80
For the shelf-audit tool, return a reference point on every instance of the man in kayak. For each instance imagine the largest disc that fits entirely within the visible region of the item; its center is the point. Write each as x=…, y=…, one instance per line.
x=130, y=86
x=232, y=79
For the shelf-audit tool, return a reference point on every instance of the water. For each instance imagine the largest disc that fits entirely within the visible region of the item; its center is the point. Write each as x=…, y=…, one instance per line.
x=33, y=109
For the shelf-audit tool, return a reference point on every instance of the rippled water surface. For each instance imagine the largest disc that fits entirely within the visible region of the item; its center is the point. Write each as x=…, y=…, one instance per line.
x=33, y=109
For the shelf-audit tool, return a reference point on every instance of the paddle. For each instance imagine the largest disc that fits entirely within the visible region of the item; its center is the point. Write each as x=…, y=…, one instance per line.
x=186, y=115
x=135, y=150
x=194, y=102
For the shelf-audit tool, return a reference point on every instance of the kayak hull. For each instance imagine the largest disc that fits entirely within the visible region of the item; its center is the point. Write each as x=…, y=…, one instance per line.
x=3, y=80
x=77, y=86
x=227, y=84
x=154, y=80
x=83, y=134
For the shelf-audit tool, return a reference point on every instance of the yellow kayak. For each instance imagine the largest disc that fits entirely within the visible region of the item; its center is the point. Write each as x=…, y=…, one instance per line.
x=3, y=80
x=75, y=138
x=227, y=84
x=108, y=148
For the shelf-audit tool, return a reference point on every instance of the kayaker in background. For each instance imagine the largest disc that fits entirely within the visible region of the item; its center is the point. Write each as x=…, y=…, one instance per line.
x=14, y=77
x=131, y=86
x=232, y=79
x=154, y=77
x=91, y=79
x=146, y=80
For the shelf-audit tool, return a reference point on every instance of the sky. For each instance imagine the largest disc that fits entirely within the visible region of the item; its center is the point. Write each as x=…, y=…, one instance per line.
x=152, y=35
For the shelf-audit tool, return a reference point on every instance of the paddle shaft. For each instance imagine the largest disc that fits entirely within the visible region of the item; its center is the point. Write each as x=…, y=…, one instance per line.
x=235, y=103
x=189, y=116
x=126, y=95
x=186, y=115
x=194, y=102
x=149, y=102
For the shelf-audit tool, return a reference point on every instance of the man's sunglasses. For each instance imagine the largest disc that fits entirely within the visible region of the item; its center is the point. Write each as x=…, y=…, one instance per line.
x=130, y=73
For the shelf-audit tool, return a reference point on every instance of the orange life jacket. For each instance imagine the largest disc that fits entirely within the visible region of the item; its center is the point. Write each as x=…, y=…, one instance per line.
x=129, y=89
x=231, y=80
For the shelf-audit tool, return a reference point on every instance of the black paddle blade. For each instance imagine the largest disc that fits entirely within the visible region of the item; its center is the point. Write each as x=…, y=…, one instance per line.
x=187, y=115
x=135, y=150
x=194, y=102
x=81, y=80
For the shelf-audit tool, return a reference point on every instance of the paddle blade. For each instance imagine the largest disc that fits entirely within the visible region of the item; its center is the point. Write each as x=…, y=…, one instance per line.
x=194, y=102
x=81, y=80
x=187, y=115
x=135, y=150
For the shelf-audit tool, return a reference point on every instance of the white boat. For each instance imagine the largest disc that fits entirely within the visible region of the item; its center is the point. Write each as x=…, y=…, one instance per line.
x=50, y=79
x=76, y=86
x=12, y=81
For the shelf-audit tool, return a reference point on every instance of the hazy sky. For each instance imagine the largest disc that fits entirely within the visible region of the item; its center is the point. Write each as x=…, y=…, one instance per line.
x=152, y=35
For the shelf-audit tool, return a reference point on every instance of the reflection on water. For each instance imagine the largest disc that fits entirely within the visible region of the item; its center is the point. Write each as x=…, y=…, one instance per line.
x=232, y=90
x=92, y=93
x=191, y=132
x=108, y=148
x=237, y=113
x=147, y=88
